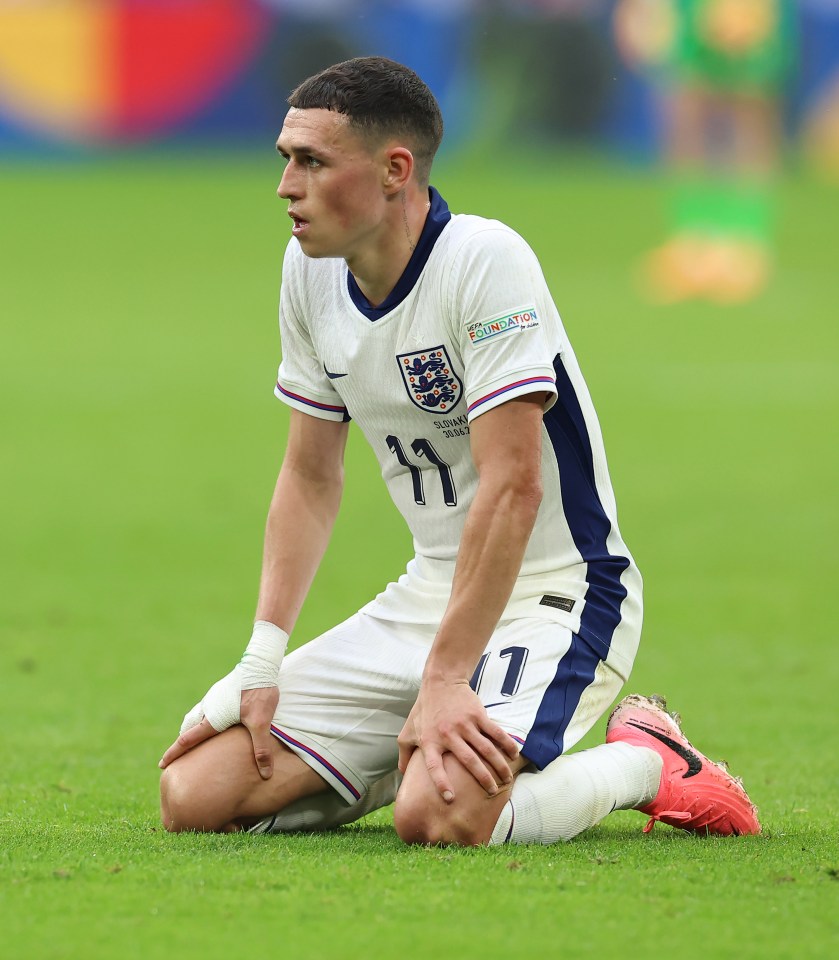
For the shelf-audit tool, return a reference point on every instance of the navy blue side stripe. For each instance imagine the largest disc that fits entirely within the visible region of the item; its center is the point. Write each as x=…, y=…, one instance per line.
x=587, y=520
x=590, y=528
x=575, y=672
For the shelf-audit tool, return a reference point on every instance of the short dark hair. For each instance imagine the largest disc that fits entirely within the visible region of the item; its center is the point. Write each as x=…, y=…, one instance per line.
x=380, y=98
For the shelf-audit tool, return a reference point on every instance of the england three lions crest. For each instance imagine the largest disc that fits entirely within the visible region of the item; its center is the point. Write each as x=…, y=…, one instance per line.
x=430, y=379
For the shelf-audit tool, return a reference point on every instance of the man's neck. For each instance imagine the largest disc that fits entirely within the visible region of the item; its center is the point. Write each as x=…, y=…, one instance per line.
x=378, y=267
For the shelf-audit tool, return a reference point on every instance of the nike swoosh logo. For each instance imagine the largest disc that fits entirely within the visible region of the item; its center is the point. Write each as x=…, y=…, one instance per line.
x=333, y=376
x=690, y=758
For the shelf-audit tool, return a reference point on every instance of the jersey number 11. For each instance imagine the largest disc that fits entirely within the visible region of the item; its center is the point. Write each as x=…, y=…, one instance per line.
x=423, y=448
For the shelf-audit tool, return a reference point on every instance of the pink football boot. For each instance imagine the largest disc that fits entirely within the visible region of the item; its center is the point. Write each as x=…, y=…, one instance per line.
x=695, y=793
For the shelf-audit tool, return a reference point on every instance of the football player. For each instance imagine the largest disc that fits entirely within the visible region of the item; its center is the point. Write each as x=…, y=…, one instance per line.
x=467, y=681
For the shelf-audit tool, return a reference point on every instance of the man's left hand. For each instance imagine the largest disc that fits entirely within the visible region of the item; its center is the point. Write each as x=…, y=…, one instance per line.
x=448, y=717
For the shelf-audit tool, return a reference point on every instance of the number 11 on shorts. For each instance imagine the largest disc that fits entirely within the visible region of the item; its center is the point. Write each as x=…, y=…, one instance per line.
x=512, y=679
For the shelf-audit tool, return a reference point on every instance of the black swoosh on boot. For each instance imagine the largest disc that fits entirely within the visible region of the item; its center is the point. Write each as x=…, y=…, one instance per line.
x=692, y=760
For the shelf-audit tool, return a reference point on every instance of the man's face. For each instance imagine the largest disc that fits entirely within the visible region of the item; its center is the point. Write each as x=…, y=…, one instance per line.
x=333, y=182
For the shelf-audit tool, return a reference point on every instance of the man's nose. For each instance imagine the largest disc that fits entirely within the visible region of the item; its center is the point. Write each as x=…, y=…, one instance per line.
x=286, y=186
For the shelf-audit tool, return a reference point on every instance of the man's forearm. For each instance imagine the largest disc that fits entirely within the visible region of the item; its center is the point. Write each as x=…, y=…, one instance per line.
x=492, y=548
x=507, y=448
x=300, y=522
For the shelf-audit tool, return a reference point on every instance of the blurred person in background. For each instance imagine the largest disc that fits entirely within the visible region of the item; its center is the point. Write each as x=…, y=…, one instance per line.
x=722, y=67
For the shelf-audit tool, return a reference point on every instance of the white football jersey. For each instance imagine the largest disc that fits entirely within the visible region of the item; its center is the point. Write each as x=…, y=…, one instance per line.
x=470, y=325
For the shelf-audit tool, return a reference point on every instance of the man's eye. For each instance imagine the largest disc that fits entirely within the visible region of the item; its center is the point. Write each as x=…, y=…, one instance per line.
x=312, y=162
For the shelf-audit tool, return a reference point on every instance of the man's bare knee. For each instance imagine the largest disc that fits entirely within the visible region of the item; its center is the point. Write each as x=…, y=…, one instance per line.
x=175, y=801
x=203, y=789
x=422, y=816
x=411, y=823
x=437, y=824
x=182, y=805
x=216, y=785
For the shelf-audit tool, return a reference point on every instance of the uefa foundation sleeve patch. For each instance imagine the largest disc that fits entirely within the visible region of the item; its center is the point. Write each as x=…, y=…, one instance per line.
x=490, y=331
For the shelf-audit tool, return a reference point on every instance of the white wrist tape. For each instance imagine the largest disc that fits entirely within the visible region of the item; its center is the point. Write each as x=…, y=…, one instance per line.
x=258, y=668
x=260, y=663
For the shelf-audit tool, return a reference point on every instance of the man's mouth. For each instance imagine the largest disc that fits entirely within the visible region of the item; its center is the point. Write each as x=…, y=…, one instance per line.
x=299, y=224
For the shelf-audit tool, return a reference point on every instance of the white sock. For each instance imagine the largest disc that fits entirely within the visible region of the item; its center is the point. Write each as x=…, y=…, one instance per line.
x=577, y=791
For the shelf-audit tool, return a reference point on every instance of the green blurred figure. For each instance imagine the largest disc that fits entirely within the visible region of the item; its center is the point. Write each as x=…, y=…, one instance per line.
x=723, y=66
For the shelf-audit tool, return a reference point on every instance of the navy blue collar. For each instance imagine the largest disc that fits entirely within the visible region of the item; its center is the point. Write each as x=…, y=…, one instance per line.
x=438, y=217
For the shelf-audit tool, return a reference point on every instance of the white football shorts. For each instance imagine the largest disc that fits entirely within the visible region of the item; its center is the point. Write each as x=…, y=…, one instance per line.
x=345, y=696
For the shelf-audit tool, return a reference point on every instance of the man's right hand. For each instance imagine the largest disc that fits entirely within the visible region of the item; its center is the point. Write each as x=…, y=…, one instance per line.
x=248, y=695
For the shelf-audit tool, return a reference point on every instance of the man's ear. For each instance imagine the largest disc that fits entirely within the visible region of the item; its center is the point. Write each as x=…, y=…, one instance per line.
x=399, y=167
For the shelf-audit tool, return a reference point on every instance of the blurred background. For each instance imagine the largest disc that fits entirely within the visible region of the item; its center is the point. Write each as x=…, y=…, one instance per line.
x=720, y=95
x=112, y=74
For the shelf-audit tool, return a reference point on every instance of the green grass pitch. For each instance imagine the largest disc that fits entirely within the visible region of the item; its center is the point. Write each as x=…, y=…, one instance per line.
x=139, y=445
